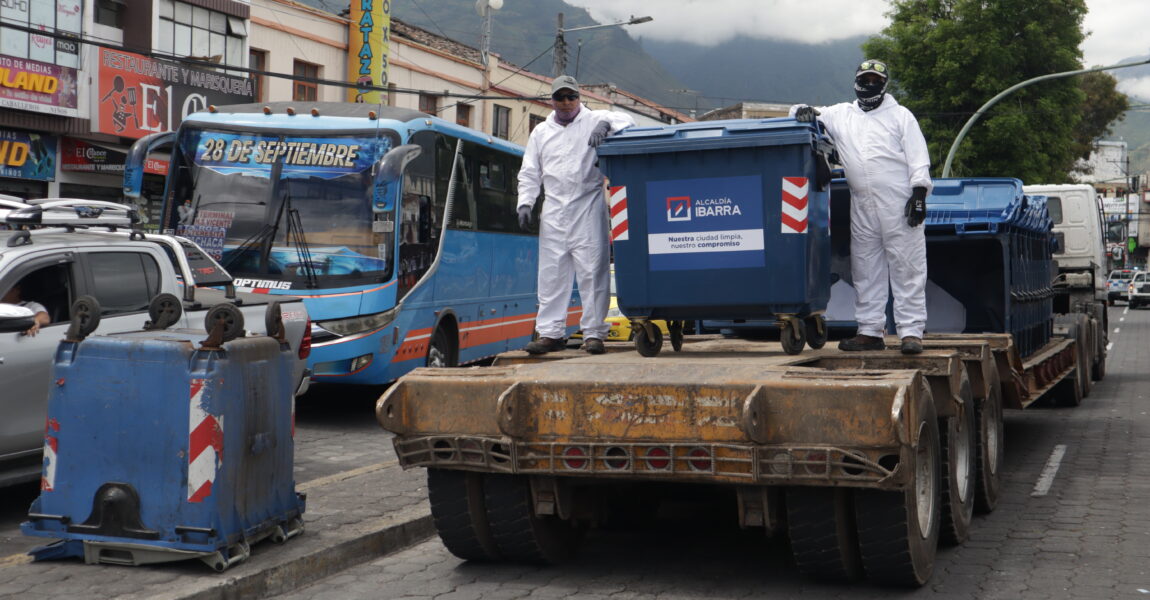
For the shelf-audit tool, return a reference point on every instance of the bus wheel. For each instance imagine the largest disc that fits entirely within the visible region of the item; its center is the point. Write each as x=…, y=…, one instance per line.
x=441, y=352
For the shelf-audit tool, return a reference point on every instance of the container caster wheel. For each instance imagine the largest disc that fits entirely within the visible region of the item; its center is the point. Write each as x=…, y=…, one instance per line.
x=85, y=316
x=648, y=339
x=163, y=311
x=793, y=336
x=816, y=331
x=228, y=317
x=676, y=329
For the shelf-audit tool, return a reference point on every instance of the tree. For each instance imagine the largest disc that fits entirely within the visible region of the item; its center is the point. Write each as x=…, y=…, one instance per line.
x=948, y=57
x=1104, y=105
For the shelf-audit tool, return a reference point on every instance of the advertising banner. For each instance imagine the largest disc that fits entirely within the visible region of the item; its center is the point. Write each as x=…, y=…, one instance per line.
x=1121, y=216
x=702, y=223
x=26, y=155
x=137, y=95
x=83, y=157
x=37, y=87
x=368, y=39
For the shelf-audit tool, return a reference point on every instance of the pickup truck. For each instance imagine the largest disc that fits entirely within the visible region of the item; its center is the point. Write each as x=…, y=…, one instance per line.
x=69, y=248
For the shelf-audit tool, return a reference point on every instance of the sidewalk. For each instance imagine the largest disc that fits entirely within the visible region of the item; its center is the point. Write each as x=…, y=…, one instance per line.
x=352, y=517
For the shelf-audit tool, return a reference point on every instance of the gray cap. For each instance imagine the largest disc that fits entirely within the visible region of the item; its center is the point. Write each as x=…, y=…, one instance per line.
x=564, y=82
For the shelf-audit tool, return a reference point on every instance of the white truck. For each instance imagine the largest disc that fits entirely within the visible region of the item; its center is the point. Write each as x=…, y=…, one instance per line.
x=1080, y=287
x=71, y=249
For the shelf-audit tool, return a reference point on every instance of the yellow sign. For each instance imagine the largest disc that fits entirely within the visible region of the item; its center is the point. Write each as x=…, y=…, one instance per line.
x=368, y=37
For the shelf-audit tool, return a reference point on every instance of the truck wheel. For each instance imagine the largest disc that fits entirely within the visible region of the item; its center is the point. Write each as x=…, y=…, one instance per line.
x=988, y=413
x=646, y=345
x=460, y=517
x=898, y=531
x=793, y=335
x=1099, y=370
x=1085, y=354
x=520, y=534
x=958, y=442
x=440, y=352
x=816, y=331
x=821, y=526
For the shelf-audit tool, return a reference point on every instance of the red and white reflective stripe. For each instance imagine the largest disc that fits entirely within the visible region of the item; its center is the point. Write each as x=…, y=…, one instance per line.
x=618, y=204
x=48, y=475
x=205, y=445
x=795, y=204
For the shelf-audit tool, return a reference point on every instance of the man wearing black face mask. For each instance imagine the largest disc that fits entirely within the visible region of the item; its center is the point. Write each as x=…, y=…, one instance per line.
x=887, y=167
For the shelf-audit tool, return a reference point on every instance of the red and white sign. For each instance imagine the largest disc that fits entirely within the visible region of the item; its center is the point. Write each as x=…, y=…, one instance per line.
x=51, y=442
x=205, y=444
x=618, y=204
x=794, y=214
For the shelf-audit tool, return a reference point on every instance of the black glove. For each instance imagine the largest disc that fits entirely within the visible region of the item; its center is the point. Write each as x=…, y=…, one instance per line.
x=806, y=114
x=916, y=207
x=524, y=217
x=601, y=130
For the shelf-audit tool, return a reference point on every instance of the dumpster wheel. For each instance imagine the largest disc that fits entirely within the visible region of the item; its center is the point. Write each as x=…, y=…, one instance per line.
x=793, y=335
x=816, y=331
x=164, y=311
x=676, y=329
x=228, y=317
x=648, y=339
x=85, y=316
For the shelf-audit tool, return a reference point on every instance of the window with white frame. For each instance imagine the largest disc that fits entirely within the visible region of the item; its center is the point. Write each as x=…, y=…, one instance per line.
x=197, y=32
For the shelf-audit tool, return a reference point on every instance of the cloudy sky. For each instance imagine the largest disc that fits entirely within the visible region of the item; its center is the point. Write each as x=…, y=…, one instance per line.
x=1117, y=27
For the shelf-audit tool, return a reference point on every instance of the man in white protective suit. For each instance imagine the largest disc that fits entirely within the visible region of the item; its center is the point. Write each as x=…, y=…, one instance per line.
x=573, y=226
x=887, y=167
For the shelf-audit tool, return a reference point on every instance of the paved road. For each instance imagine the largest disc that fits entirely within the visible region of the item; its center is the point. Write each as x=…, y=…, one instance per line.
x=1086, y=536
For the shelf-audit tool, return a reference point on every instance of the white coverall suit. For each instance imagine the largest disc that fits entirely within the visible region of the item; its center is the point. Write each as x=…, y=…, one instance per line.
x=573, y=227
x=884, y=154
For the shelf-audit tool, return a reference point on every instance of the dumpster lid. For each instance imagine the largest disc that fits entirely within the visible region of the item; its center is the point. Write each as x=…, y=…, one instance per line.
x=708, y=135
x=999, y=200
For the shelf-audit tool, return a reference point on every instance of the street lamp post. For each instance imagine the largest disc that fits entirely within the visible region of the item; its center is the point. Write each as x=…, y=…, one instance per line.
x=978, y=113
x=560, y=49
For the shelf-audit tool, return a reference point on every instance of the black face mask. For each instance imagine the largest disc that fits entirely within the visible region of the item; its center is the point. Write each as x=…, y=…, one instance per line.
x=870, y=95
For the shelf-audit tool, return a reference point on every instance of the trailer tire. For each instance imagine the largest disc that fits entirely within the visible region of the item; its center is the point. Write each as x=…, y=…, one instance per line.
x=959, y=444
x=521, y=535
x=898, y=531
x=821, y=527
x=991, y=450
x=457, y=507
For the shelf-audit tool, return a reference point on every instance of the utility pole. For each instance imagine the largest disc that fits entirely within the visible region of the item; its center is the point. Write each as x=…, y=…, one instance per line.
x=560, y=51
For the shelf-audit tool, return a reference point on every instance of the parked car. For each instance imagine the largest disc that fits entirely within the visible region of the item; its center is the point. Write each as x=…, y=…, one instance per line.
x=1118, y=284
x=1138, y=291
x=123, y=272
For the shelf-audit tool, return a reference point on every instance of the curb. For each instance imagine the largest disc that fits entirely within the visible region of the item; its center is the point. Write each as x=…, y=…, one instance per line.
x=385, y=536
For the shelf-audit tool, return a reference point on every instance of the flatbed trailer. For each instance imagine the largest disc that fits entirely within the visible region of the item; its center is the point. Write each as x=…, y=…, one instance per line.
x=865, y=460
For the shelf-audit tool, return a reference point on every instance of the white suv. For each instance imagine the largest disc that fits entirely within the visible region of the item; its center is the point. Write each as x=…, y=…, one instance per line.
x=1138, y=291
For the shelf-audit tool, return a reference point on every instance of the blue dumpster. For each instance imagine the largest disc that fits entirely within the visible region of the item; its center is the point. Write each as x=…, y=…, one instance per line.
x=721, y=220
x=989, y=247
x=159, y=450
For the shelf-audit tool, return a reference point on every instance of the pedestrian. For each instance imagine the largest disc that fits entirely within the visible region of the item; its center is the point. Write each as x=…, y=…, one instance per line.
x=560, y=159
x=887, y=165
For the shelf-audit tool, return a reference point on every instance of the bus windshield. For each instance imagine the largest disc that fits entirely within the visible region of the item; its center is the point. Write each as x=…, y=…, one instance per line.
x=286, y=212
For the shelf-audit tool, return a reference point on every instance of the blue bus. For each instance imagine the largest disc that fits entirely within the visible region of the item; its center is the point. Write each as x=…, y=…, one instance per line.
x=398, y=229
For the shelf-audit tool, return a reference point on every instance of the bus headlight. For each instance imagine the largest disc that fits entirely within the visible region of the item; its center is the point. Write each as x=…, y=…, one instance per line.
x=359, y=324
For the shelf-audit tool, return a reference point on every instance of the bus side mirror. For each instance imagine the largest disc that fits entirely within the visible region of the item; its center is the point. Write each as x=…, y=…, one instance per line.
x=389, y=171
x=137, y=156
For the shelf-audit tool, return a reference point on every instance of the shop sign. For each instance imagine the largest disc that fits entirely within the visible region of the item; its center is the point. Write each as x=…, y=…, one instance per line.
x=80, y=156
x=37, y=87
x=26, y=155
x=137, y=95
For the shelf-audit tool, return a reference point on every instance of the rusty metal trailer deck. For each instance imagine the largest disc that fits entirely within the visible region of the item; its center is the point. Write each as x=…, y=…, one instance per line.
x=865, y=459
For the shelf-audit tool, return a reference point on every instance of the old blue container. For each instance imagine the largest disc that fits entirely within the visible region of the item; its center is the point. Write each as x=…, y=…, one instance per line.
x=720, y=219
x=990, y=247
x=157, y=450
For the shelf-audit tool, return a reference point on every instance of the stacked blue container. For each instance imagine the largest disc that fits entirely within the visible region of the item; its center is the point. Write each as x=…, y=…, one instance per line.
x=990, y=247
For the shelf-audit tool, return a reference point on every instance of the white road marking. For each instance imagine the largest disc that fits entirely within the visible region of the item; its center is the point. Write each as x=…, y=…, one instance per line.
x=1046, y=479
x=1117, y=329
x=1109, y=346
